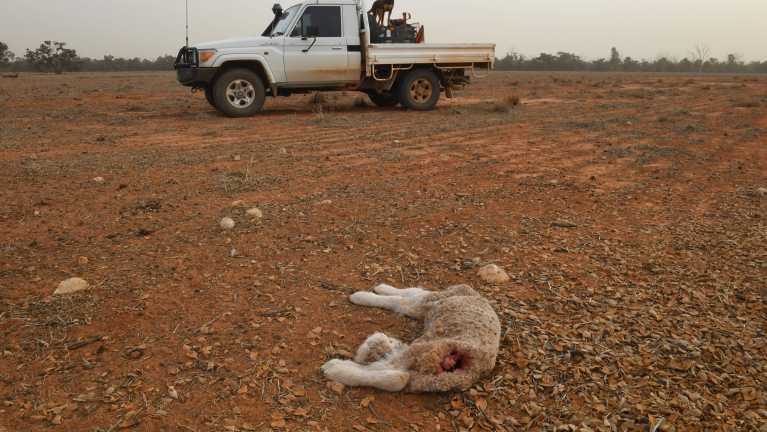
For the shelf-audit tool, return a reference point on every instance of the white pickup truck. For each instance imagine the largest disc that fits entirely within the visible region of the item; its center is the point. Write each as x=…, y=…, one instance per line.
x=330, y=45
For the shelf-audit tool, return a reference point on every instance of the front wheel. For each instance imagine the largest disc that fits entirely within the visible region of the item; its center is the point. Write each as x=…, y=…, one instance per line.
x=239, y=93
x=419, y=90
x=209, y=96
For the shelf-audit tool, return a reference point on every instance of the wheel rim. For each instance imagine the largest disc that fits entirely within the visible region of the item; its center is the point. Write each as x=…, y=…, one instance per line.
x=240, y=93
x=421, y=90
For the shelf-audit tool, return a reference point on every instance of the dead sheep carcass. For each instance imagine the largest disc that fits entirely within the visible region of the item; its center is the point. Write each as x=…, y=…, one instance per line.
x=459, y=344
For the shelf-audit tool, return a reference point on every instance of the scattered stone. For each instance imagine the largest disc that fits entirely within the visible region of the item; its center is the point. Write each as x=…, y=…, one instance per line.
x=255, y=213
x=470, y=264
x=227, y=223
x=173, y=393
x=283, y=151
x=82, y=260
x=493, y=274
x=135, y=353
x=71, y=286
x=237, y=158
x=98, y=179
x=761, y=191
x=326, y=202
x=238, y=203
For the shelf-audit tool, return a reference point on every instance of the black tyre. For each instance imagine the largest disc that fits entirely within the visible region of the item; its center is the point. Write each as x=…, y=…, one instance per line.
x=239, y=93
x=419, y=90
x=209, y=96
x=383, y=100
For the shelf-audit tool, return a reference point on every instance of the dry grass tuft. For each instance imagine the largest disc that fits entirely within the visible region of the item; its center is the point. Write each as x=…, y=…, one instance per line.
x=318, y=98
x=505, y=105
x=513, y=100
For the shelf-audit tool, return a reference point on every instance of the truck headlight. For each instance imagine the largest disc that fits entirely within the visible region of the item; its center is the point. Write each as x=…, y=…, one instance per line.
x=206, y=55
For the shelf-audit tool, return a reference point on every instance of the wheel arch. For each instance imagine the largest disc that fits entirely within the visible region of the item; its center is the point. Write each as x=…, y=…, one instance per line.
x=257, y=66
x=417, y=67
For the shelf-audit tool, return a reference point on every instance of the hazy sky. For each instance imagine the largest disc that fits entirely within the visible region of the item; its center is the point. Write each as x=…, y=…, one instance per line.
x=639, y=28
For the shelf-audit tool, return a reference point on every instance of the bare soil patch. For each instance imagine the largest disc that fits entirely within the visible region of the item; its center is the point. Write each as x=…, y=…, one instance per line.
x=625, y=208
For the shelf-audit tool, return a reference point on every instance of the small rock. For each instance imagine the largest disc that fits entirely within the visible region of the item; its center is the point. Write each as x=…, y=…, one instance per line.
x=98, y=179
x=172, y=393
x=493, y=274
x=283, y=151
x=71, y=286
x=238, y=203
x=82, y=260
x=227, y=223
x=255, y=213
x=761, y=191
x=466, y=265
x=326, y=202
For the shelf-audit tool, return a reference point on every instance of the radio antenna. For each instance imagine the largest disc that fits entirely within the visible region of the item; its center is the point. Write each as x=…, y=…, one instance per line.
x=187, y=23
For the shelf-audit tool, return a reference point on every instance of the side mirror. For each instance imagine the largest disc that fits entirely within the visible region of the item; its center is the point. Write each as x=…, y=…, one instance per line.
x=312, y=32
x=277, y=10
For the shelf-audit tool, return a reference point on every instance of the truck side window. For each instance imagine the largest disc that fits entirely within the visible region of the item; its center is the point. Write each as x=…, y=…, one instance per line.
x=326, y=19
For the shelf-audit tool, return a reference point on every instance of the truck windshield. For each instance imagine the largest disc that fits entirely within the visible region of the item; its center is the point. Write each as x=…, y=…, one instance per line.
x=282, y=25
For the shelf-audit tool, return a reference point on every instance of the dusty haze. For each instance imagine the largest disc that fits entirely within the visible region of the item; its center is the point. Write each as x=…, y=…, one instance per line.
x=646, y=29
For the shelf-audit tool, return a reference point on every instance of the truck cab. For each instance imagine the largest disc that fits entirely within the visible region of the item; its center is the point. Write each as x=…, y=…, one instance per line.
x=329, y=45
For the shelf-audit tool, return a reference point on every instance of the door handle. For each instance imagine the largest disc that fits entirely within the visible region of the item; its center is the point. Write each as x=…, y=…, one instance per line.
x=337, y=48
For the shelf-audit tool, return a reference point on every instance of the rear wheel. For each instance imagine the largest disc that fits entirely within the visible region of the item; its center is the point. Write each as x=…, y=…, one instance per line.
x=239, y=93
x=383, y=100
x=419, y=90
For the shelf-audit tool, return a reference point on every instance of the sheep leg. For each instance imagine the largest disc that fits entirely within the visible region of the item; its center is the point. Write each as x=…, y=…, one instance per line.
x=408, y=306
x=355, y=375
x=377, y=347
x=388, y=290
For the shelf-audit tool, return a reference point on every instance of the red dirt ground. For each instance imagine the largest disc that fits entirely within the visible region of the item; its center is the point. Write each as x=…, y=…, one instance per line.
x=646, y=311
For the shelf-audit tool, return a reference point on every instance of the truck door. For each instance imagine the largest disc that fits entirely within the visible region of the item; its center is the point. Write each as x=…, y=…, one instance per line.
x=321, y=59
x=353, y=45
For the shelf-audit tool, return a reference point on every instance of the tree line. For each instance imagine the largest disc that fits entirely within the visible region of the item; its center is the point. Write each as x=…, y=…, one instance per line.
x=53, y=56
x=698, y=61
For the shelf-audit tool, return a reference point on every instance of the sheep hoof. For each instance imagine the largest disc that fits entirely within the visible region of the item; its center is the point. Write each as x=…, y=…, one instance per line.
x=363, y=298
x=335, y=370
